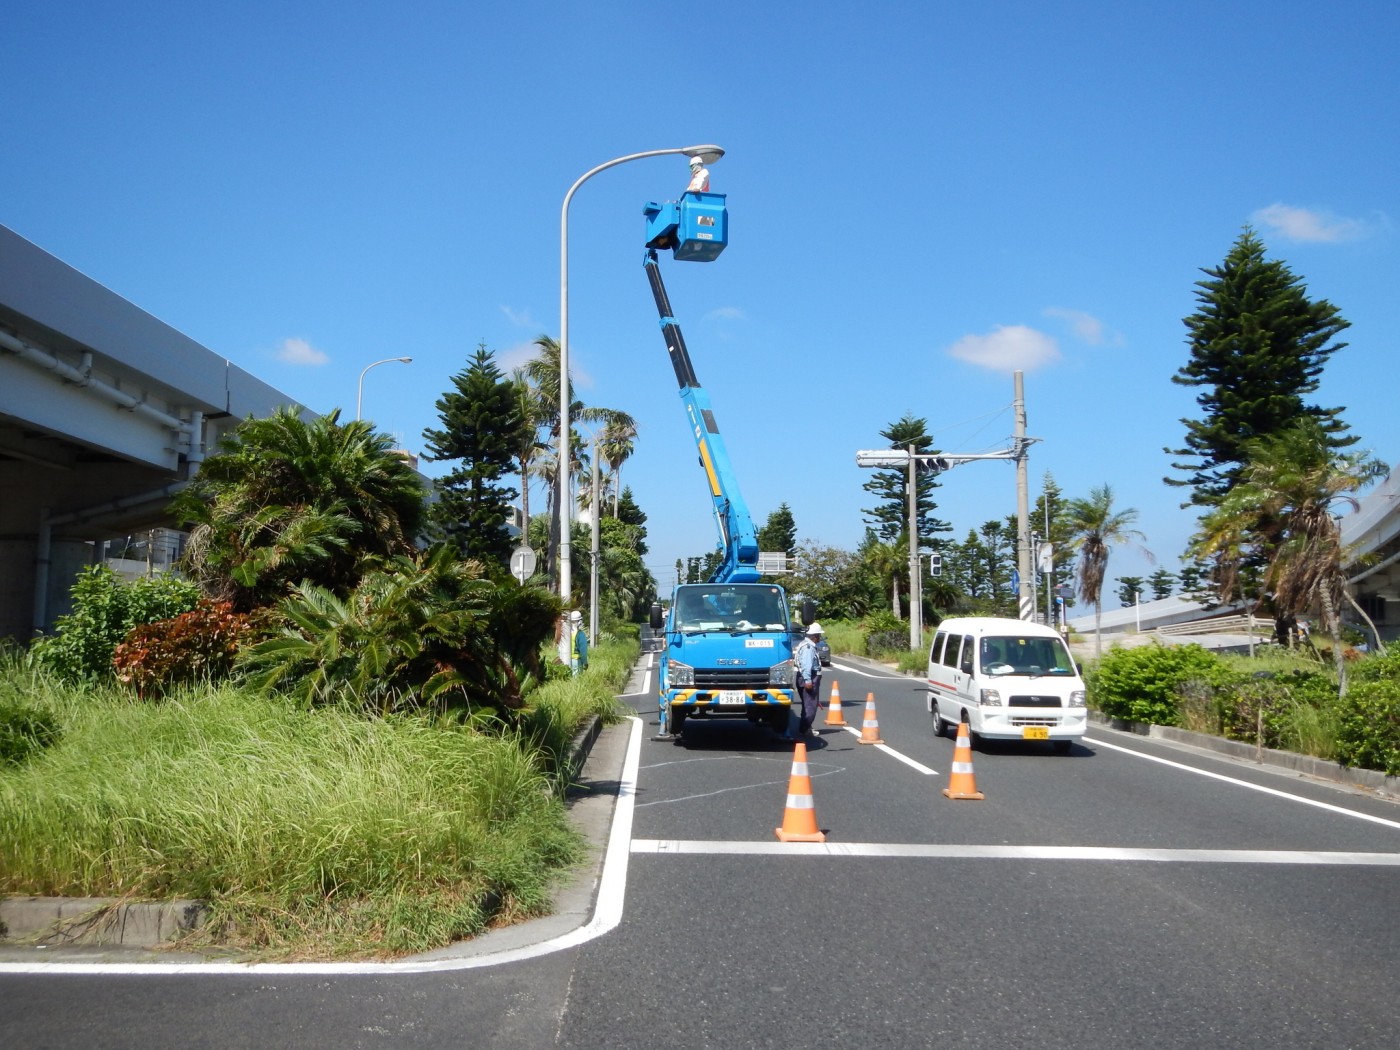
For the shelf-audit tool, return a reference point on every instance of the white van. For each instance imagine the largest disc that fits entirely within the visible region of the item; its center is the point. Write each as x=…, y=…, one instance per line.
x=1007, y=679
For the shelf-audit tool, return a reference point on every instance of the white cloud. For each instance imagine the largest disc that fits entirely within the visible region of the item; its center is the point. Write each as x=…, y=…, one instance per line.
x=300, y=352
x=725, y=313
x=1007, y=348
x=1309, y=224
x=1086, y=327
x=519, y=318
x=516, y=356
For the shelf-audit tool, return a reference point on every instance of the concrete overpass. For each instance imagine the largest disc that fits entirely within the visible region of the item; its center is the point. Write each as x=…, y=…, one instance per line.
x=105, y=412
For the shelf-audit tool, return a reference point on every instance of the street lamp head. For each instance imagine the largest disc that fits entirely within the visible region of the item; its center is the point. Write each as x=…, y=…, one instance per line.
x=405, y=360
x=883, y=457
x=704, y=154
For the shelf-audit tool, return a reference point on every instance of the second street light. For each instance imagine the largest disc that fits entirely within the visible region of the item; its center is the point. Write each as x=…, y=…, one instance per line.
x=708, y=155
x=360, y=390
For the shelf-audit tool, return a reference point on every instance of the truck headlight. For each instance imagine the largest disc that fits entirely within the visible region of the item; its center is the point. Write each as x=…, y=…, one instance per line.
x=781, y=674
x=1076, y=698
x=991, y=698
x=679, y=675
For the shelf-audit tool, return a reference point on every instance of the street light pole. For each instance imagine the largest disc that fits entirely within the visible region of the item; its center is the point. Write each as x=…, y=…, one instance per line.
x=360, y=390
x=708, y=154
x=916, y=597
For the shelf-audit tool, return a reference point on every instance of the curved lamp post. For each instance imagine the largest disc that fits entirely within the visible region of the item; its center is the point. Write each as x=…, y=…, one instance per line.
x=360, y=390
x=707, y=155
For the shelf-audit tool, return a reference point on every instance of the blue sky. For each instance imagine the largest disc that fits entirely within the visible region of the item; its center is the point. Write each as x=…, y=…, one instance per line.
x=922, y=198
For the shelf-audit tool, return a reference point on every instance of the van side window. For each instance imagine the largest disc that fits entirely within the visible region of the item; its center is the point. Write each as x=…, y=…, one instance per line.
x=950, y=654
x=968, y=646
x=935, y=654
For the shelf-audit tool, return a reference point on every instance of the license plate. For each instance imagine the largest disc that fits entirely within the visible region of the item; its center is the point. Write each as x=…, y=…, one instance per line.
x=732, y=698
x=1035, y=733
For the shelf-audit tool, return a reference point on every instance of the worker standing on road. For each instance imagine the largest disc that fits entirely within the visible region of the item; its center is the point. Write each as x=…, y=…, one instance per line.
x=809, y=677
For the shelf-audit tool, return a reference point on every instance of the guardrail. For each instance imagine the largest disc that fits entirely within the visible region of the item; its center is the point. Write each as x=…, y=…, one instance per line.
x=1221, y=625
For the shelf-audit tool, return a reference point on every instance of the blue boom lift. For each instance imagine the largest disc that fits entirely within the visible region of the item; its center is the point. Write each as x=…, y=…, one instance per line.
x=728, y=642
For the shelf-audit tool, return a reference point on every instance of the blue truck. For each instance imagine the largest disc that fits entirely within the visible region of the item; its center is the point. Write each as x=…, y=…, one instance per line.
x=728, y=642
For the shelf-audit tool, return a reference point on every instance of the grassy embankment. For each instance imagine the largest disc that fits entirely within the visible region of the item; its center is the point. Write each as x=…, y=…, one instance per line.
x=311, y=834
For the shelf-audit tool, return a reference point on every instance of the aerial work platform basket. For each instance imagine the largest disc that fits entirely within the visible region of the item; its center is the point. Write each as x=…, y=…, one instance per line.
x=695, y=228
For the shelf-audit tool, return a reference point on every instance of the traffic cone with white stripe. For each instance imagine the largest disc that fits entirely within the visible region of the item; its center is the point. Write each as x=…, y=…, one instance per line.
x=961, y=782
x=800, y=816
x=870, y=728
x=834, y=717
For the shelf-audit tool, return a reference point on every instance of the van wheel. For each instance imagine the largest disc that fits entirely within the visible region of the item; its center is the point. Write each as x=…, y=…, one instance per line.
x=940, y=724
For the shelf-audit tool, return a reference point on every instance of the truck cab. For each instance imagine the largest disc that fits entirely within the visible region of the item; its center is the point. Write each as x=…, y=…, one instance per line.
x=727, y=653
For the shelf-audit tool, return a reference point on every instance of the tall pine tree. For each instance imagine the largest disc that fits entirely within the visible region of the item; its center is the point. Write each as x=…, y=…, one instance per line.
x=482, y=430
x=1258, y=345
x=890, y=517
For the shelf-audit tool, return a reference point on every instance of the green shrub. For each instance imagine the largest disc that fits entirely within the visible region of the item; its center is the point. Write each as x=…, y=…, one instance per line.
x=104, y=610
x=1144, y=683
x=24, y=731
x=1369, y=730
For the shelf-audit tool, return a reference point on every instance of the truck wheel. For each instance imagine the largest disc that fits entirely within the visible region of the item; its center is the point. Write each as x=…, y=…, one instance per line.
x=677, y=724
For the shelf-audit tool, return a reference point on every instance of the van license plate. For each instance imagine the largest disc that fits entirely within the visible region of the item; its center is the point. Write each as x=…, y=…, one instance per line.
x=1035, y=733
x=732, y=698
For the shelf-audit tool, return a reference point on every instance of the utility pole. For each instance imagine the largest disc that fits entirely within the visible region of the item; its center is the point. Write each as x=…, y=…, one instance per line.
x=594, y=550
x=916, y=596
x=1026, y=597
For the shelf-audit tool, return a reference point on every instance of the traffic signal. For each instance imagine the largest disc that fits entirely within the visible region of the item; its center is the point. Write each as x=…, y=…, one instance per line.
x=935, y=565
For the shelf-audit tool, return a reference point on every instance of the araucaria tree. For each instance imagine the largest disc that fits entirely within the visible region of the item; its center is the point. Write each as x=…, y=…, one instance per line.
x=1258, y=346
x=483, y=430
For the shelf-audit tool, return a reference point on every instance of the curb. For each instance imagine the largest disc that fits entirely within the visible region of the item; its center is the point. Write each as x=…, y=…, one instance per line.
x=1367, y=779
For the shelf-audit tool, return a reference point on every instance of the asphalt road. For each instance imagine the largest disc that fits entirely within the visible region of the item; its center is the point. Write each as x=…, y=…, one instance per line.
x=1130, y=894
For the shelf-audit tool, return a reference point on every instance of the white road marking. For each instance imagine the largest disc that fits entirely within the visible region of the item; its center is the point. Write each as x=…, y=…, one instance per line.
x=1246, y=784
x=895, y=754
x=1093, y=853
x=865, y=673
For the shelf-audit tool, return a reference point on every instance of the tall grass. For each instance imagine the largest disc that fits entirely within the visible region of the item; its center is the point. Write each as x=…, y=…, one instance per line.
x=311, y=833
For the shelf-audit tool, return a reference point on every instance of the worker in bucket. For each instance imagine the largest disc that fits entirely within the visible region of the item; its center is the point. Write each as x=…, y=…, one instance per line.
x=699, y=177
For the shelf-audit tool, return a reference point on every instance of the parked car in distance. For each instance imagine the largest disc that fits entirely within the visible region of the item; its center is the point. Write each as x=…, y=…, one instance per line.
x=823, y=647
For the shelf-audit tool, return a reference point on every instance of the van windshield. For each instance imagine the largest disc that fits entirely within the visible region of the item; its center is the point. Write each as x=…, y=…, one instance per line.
x=1028, y=655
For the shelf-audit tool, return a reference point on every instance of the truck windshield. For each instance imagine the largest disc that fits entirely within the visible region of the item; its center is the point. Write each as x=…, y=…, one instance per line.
x=731, y=606
x=1018, y=654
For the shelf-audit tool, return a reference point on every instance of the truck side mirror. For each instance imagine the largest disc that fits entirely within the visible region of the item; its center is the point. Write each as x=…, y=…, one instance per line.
x=809, y=610
x=658, y=618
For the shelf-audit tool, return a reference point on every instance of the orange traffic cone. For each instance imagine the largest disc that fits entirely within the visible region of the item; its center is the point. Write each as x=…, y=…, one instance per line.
x=834, y=717
x=961, y=783
x=799, y=818
x=870, y=728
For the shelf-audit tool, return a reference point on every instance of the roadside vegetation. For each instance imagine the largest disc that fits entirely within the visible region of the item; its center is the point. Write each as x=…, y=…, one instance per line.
x=345, y=739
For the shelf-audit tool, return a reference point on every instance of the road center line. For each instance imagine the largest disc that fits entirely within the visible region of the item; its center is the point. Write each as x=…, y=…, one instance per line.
x=693, y=847
x=1246, y=784
x=895, y=754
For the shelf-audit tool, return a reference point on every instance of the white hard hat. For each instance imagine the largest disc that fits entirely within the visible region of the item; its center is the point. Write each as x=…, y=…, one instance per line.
x=815, y=628
x=695, y=161
x=576, y=616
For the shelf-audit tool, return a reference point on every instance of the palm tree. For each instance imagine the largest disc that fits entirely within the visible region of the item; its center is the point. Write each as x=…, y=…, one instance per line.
x=286, y=500
x=1095, y=529
x=1283, y=508
x=886, y=561
x=532, y=409
x=615, y=445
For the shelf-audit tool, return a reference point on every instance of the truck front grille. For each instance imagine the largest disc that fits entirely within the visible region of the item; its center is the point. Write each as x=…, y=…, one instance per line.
x=731, y=678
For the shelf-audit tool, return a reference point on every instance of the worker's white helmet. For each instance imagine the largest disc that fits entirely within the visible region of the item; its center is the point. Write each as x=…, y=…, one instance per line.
x=695, y=162
x=576, y=616
x=815, y=628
